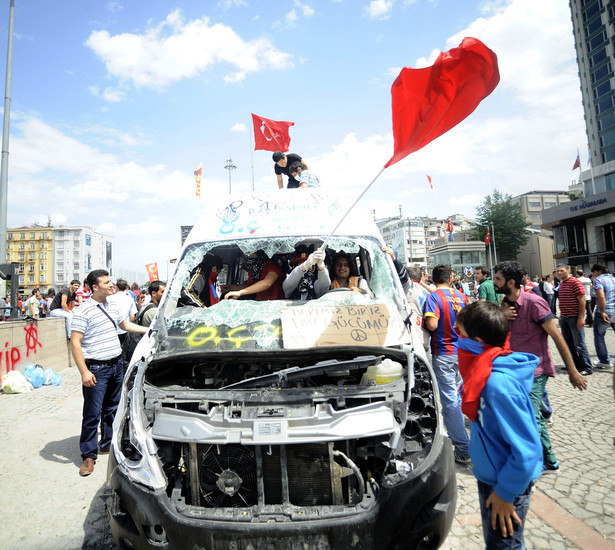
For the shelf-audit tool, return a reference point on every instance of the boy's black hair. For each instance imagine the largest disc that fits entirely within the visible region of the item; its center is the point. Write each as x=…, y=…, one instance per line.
x=486, y=321
x=295, y=166
x=441, y=274
x=278, y=155
x=511, y=270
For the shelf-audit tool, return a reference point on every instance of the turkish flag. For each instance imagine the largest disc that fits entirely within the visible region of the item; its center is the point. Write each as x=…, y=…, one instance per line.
x=271, y=135
x=152, y=271
x=577, y=163
x=488, y=238
x=429, y=102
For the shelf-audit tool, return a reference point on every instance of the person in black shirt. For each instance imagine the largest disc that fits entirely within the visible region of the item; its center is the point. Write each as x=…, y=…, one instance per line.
x=282, y=165
x=61, y=304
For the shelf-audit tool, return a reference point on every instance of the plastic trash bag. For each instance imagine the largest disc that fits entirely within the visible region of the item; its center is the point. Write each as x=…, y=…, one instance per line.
x=52, y=378
x=35, y=374
x=15, y=382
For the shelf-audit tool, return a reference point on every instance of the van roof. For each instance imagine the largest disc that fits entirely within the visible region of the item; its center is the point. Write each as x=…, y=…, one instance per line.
x=280, y=213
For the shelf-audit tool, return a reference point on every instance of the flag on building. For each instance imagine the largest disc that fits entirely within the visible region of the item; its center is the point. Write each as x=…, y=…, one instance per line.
x=152, y=271
x=577, y=163
x=430, y=101
x=429, y=180
x=271, y=135
x=488, y=238
x=197, y=178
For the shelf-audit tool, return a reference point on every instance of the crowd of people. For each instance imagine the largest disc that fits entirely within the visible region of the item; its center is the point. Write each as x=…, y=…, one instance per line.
x=491, y=356
x=489, y=342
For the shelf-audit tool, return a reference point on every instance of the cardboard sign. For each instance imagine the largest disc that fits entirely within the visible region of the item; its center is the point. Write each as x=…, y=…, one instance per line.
x=317, y=326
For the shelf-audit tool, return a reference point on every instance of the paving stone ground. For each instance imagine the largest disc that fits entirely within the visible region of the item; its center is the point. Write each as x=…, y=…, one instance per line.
x=575, y=508
x=44, y=504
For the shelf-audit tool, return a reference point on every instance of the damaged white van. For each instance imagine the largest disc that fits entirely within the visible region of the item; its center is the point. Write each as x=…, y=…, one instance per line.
x=281, y=423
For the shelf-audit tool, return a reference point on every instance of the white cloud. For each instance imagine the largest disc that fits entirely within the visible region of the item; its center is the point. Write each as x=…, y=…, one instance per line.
x=114, y=7
x=239, y=127
x=111, y=95
x=307, y=11
x=174, y=50
x=393, y=72
x=59, y=173
x=291, y=18
x=379, y=9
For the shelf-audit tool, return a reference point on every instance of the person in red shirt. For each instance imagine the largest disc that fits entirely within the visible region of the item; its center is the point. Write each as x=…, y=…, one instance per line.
x=572, y=318
x=264, y=279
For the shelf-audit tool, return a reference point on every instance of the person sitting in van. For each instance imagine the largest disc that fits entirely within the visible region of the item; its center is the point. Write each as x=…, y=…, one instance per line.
x=264, y=279
x=309, y=279
x=346, y=276
x=201, y=289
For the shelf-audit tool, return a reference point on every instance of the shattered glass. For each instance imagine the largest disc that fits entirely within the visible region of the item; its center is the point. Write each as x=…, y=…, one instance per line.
x=250, y=324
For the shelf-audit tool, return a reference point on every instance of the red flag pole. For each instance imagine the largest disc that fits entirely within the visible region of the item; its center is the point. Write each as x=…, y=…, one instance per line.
x=324, y=245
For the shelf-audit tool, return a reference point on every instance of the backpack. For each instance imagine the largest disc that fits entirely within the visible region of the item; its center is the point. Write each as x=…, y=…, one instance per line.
x=132, y=338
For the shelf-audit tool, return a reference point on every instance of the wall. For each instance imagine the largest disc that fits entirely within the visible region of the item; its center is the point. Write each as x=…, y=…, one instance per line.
x=42, y=342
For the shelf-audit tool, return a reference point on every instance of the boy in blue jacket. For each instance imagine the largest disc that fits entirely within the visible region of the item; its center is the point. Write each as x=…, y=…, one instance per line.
x=504, y=439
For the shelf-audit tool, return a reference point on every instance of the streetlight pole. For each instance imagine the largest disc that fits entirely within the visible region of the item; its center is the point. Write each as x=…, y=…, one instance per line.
x=229, y=166
x=5, y=143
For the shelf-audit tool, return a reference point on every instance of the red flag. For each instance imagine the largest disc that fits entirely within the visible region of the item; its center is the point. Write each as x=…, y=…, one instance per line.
x=271, y=135
x=488, y=238
x=197, y=179
x=577, y=163
x=152, y=271
x=430, y=101
x=429, y=179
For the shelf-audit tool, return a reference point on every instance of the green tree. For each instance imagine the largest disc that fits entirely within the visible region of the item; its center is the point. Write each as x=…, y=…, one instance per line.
x=511, y=235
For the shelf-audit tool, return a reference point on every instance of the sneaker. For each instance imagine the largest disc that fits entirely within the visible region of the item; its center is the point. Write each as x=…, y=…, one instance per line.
x=599, y=365
x=549, y=421
x=550, y=468
x=103, y=451
x=87, y=467
x=462, y=458
x=586, y=372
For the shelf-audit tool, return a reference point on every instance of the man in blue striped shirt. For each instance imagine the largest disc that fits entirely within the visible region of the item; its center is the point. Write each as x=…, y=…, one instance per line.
x=98, y=355
x=604, y=285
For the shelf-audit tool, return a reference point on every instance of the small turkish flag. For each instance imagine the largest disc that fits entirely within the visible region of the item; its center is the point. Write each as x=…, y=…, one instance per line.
x=487, y=238
x=271, y=135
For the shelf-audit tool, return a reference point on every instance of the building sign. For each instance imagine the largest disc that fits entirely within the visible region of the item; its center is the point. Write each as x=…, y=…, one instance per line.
x=584, y=204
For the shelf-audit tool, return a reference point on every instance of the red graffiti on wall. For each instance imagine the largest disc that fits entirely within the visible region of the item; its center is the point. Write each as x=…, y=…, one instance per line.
x=31, y=339
x=11, y=355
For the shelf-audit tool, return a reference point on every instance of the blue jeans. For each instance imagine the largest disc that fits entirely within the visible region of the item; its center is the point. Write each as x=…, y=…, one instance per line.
x=599, y=331
x=493, y=538
x=536, y=395
x=575, y=340
x=99, y=406
x=449, y=381
x=549, y=298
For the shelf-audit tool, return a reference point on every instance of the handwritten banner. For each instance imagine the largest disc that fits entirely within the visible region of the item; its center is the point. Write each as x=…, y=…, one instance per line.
x=318, y=326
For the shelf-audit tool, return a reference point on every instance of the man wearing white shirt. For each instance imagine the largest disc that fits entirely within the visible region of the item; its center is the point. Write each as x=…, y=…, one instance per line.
x=98, y=355
x=124, y=303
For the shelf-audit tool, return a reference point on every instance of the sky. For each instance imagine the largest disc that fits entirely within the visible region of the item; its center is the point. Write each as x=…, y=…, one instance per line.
x=114, y=105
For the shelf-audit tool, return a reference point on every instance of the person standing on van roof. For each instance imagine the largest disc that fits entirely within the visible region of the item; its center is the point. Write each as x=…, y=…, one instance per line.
x=282, y=166
x=306, y=177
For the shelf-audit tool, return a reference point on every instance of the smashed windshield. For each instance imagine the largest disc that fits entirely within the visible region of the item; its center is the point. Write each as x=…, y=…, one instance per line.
x=246, y=324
